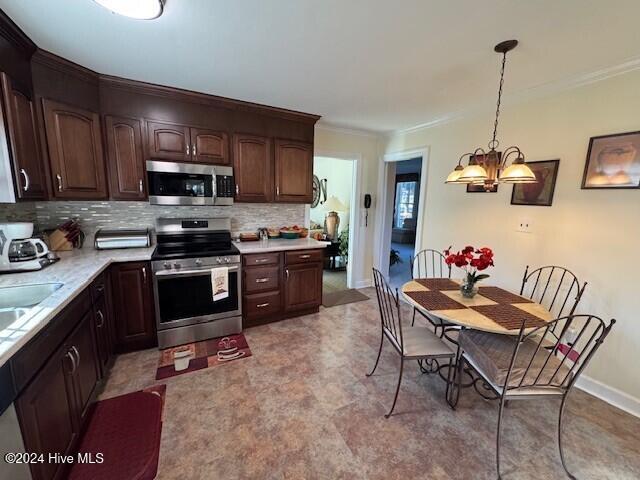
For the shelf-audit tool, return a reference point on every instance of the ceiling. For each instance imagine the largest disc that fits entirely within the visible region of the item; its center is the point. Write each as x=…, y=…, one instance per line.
x=378, y=65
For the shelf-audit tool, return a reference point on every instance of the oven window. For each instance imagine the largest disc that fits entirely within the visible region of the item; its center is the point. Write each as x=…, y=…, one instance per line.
x=191, y=296
x=180, y=184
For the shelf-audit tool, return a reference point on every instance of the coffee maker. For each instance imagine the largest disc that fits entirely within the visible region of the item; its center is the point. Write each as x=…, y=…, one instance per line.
x=18, y=251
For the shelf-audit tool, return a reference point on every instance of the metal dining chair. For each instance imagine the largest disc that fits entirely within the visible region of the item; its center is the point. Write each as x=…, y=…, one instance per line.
x=555, y=288
x=411, y=343
x=429, y=263
x=522, y=367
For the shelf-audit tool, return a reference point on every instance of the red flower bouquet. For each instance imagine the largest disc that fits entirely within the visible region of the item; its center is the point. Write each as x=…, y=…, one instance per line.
x=472, y=260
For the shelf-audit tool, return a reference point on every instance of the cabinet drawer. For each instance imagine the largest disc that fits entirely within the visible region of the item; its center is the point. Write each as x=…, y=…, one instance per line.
x=303, y=256
x=261, y=279
x=261, y=305
x=259, y=259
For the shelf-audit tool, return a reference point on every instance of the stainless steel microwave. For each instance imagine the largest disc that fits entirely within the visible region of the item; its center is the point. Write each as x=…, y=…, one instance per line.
x=172, y=183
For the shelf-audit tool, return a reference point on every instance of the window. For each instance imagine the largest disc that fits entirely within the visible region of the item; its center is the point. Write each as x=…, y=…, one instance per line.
x=406, y=199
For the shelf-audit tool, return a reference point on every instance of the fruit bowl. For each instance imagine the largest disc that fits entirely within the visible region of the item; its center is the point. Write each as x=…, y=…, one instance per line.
x=289, y=234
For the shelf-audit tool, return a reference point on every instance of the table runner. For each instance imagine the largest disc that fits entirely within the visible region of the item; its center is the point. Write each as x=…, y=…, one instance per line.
x=434, y=300
x=509, y=317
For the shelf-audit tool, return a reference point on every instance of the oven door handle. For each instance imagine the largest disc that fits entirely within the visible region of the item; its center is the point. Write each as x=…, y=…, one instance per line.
x=190, y=273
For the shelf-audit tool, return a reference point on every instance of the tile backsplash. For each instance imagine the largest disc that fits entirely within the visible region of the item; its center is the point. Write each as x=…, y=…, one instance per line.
x=94, y=215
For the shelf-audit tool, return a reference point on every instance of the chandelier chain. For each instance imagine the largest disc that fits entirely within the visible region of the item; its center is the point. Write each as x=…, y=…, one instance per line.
x=494, y=143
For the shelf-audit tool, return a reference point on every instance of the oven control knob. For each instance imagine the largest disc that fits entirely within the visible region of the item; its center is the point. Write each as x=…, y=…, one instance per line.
x=227, y=259
x=166, y=265
x=177, y=265
x=198, y=262
x=218, y=260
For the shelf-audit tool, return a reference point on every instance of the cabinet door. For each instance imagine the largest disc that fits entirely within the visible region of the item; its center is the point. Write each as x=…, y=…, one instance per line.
x=168, y=141
x=208, y=146
x=302, y=286
x=103, y=342
x=134, y=319
x=21, y=125
x=293, y=171
x=46, y=410
x=75, y=151
x=125, y=159
x=82, y=343
x=253, y=168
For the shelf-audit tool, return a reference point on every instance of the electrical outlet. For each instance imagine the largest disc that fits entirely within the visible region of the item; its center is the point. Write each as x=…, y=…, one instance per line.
x=524, y=226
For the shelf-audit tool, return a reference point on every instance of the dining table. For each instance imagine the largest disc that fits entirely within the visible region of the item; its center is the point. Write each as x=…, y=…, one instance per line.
x=492, y=309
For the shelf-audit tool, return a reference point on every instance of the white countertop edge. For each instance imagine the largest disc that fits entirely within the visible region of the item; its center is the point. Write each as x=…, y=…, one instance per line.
x=280, y=245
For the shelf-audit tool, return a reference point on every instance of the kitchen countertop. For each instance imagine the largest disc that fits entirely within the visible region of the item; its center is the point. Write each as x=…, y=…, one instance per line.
x=279, y=244
x=75, y=270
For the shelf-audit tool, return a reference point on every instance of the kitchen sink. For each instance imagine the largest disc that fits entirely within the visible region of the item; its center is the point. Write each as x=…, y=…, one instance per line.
x=16, y=301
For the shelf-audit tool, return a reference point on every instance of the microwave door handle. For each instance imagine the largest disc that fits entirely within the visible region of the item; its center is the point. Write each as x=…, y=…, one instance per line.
x=214, y=185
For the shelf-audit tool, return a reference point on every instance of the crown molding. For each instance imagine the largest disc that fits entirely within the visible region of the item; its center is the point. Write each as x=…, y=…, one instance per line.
x=533, y=93
x=329, y=127
x=15, y=36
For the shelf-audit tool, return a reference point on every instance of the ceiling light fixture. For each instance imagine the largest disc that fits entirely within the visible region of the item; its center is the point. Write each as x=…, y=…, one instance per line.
x=490, y=167
x=138, y=9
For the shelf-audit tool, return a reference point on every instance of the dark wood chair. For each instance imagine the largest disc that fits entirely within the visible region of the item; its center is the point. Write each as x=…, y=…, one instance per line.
x=411, y=343
x=522, y=367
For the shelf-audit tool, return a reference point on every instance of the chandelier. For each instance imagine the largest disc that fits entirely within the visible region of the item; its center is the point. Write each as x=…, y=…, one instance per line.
x=489, y=167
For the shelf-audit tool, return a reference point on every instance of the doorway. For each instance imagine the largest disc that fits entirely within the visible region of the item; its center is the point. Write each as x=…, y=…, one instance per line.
x=399, y=229
x=333, y=217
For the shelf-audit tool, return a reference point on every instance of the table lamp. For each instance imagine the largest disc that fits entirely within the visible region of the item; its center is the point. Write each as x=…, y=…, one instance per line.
x=332, y=220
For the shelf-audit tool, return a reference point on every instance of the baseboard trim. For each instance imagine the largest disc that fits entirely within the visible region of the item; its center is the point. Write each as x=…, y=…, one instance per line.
x=364, y=283
x=611, y=395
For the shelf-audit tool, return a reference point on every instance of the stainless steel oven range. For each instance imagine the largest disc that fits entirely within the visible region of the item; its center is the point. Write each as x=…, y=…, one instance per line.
x=187, y=251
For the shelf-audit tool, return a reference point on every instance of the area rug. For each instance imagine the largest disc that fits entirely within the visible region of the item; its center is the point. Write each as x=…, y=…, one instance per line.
x=342, y=297
x=122, y=439
x=205, y=354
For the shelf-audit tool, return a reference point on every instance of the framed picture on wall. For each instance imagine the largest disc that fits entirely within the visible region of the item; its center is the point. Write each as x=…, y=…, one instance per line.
x=541, y=193
x=613, y=161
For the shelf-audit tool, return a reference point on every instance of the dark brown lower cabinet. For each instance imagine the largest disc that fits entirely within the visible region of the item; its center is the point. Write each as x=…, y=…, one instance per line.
x=302, y=286
x=53, y=407
x=289, y=285
x=46, y=410
x=134, y=317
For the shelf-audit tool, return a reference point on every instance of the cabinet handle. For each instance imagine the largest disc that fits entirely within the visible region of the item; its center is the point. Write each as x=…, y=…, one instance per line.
x=69, y=354
x=262, y=280
x=237, y=189
x=26, y=179
x=59, y=182
x=140, y=186
x=99, y=314
x=193, y=149
x=144, y=274
x=305, y=256
x=287, y=272
x=187, y=150
x=77, y=355
x=262, y=305
x=277, y=190
x=261, y=260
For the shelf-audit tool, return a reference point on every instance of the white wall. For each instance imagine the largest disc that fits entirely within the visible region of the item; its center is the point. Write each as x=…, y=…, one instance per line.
x=594, y=233
x=341, y=143
x=339, y=175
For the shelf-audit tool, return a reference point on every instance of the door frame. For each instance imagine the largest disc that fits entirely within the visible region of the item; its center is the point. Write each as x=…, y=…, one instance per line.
x=356, y=256
x=384, y=214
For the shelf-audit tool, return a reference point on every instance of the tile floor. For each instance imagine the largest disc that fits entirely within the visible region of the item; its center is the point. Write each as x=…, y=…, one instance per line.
x=302, y=408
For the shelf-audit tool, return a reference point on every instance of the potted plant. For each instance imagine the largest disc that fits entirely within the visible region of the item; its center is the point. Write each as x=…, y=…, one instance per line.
x=394, y=257
x=472, y=260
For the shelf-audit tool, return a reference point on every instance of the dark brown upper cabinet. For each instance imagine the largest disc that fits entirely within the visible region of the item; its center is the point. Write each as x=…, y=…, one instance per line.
x=168, y=141
x=253, y=168
x=209, y=146
x=23, y=140
x=293, y=171
x=74, y=143
x=125, y=158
